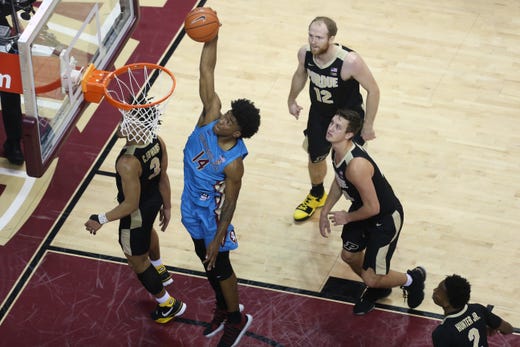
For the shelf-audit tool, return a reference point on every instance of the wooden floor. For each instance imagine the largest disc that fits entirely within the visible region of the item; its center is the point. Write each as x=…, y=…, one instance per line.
x=448, y=140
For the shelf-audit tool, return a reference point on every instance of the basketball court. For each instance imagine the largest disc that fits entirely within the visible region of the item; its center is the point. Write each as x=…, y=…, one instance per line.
x=447, y=139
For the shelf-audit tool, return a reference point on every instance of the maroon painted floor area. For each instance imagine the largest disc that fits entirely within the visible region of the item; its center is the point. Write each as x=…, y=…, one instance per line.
x=75, y=301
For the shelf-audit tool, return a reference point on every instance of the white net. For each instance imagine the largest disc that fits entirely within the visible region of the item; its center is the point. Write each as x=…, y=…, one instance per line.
x=140, y=124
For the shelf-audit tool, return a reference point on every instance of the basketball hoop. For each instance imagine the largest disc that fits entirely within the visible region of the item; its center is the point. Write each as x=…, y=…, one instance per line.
x=127, y=90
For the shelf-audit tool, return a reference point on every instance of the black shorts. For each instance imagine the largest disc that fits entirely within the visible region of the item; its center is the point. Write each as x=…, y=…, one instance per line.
x=135, y=230
x=378, y=238
x=317, y=124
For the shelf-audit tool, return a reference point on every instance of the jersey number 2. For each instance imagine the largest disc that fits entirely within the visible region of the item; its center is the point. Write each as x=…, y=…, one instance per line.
x=473, y=335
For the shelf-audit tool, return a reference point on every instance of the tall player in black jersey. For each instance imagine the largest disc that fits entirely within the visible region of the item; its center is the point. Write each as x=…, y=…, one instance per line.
x=143, y=193
x=373, y=222
x=464, y=324
x=335, y=73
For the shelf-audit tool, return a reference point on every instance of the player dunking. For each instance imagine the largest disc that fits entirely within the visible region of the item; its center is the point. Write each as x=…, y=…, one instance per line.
x=213, y=170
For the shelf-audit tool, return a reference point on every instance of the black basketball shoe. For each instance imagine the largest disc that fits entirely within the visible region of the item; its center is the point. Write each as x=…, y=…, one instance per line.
x=414, y=293
x=367, y=301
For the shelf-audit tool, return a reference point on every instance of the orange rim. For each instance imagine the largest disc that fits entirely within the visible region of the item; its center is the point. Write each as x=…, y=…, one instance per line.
x=137, y=66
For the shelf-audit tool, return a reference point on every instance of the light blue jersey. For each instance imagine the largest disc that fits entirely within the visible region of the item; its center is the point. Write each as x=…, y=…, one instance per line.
x=204, y=183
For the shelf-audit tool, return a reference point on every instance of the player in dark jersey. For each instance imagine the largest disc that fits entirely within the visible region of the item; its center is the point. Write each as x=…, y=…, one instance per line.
x=464, y=324
x=335, y=73
x=143, y=193
x=213, y=170
x=372, y=225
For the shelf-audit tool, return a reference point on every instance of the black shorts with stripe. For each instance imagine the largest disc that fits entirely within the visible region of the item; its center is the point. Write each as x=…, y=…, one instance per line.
x=377, y=237
x=135, y=230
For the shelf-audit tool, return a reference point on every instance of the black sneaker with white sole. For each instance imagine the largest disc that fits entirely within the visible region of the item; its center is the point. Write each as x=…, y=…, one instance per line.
x=234, y=332
x=414, y=293
x=217, y=323
x=367, y=301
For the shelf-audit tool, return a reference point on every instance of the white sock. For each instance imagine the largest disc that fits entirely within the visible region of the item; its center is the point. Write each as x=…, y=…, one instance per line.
x=163, y=298
x=157, y=262
x=409, y=280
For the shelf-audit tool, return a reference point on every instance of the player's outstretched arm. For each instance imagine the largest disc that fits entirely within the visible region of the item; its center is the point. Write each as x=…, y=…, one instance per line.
x=210, y=100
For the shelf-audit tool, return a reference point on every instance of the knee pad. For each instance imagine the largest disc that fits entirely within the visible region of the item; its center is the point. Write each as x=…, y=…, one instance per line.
x=151, y=280
x=223, y=268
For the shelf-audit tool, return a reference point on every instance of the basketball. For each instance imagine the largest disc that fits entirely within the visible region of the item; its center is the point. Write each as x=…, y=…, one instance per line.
x=202, y=24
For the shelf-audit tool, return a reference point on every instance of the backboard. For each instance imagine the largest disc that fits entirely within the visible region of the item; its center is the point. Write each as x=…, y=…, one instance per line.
x=60, y=41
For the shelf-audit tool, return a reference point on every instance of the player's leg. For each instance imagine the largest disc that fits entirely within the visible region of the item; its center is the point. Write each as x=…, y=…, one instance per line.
x=317, y=173
x=167, y=306
x=220, y=311
x=354, y=244
x=135, y=244
x=413, y=288
x=354, y=260
x=377, y=275
x=155, y=258
x=318, y=149
x=375, y=270
x=236, y=323
x=354, y=237
x=192, y=220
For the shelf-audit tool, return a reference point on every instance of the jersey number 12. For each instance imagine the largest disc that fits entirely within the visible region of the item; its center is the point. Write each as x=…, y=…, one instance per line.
x=323, y=96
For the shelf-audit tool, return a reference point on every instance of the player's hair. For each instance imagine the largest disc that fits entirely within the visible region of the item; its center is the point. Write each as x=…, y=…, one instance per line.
x=354, y=119
x=247, y=116
x=329, y=23
x=458, y=290
x=144, y=114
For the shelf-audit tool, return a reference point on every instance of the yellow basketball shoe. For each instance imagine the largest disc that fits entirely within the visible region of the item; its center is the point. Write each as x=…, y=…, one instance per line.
x=307, y=208
x=172, y=308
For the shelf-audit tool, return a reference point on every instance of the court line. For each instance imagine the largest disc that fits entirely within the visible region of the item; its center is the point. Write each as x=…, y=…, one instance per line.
x=21, y=197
